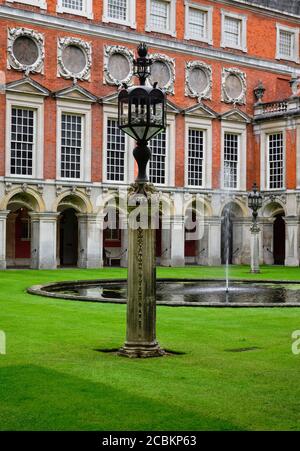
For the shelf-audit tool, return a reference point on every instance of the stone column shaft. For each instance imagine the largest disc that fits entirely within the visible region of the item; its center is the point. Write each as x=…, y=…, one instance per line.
x=214, y=241
x=141, y=296
x=166, y=242
x=3, y=216
x=292, y=241
x=90, y=241
x=255, y=250
x=43, y=240
x=177, y=241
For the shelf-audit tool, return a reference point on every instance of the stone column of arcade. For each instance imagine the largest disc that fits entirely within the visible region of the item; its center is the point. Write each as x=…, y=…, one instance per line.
x=3, y=216
x=141, y=116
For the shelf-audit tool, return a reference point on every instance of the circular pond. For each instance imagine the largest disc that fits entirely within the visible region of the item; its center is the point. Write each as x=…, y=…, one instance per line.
x=205, y=293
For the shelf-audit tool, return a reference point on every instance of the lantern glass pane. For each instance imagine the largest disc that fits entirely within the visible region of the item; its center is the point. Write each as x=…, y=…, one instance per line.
x=152, y=131
x=140, y=131
x=129, y=132
x=124, y=113
x=156, y=115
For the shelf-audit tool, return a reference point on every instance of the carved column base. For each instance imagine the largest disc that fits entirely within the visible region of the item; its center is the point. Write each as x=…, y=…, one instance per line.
x=138, y=350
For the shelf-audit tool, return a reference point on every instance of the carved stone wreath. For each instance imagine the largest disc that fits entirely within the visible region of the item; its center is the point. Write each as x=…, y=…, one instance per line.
x=79, y=67
x=25, y=54
x=169, y=65
x=118, y=65
x=204, y=88
x=234, y=86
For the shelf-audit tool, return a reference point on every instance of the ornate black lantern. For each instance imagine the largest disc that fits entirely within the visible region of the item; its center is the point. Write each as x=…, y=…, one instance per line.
x=255, y=200
x=142, y=111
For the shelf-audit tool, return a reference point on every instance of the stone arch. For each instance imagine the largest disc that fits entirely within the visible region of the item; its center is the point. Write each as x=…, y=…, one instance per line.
x=75, y=200
x=272, y=208
x=238, y=208
x=166, y=204
x=71, y=231
x=28, y=198
x=19, y=232
x=197, y=201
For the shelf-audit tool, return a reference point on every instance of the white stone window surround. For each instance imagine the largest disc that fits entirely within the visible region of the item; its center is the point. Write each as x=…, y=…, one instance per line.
x=266, y=130
x=131, y=14
x=87, y=10
x=295, y=32
x=171, y=30
x=170, y=152
x=85, y=110
x=38, y=3
x=204, y=125
x=243, y=31
x=208, y=10
x=35, y=103
x=239, y=129
x=111, y=112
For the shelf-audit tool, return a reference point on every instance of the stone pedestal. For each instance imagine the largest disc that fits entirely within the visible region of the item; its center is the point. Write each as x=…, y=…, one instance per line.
x=255, y=249
x=3, y=216
x=141, y=303
x=214, y=241
x=291, y=241
x=43, y=240
x=90, y=241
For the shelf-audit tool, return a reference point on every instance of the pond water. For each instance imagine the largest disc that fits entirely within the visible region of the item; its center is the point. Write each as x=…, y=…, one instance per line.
x=191, y=293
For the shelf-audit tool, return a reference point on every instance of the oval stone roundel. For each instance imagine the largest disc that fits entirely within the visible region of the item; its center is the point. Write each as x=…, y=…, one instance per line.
x=74, y=59
x=25, y=50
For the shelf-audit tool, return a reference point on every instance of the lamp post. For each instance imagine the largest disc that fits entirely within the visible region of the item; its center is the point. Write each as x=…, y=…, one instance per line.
x=141, y=115
x=254, y=203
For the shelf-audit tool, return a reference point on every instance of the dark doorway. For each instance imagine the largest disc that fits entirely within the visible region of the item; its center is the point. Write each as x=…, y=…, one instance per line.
x=279, y=240
x=18, y=238
x=226, y=237
x=68, y=238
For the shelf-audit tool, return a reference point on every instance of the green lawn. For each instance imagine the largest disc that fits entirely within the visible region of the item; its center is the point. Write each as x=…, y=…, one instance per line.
x=53, y=376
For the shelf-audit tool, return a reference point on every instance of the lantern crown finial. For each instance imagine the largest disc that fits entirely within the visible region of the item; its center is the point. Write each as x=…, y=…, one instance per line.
x=142, y=63
x=142, y=50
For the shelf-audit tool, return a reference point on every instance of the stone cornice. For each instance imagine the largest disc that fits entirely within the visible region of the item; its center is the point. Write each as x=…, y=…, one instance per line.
x=107, y=32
